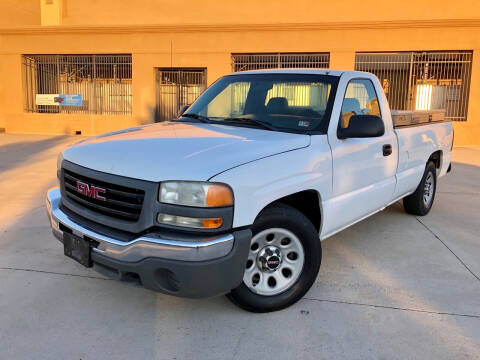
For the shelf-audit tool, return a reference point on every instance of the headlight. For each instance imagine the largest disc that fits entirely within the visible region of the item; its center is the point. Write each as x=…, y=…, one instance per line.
x=198, y=194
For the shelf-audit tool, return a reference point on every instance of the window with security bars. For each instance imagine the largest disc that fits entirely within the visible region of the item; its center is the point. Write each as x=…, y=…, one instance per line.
x=177, y=88
x=78, y=84
x=423, y=80
x=258, y=61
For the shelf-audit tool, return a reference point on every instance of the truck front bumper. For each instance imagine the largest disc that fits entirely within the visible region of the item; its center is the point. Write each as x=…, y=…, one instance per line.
x=190, y=267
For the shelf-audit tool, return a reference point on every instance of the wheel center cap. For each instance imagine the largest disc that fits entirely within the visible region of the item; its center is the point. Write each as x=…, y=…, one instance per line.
x=269, y=258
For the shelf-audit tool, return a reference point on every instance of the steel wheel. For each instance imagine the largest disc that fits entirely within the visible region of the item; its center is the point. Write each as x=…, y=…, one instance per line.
x=428, y=189
x=275, y=262
x=421, y=201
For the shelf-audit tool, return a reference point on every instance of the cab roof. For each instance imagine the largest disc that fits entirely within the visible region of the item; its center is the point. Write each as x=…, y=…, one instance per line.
x=299, y=71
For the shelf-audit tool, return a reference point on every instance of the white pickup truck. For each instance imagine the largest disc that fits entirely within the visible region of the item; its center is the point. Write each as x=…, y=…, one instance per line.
x=234, y=196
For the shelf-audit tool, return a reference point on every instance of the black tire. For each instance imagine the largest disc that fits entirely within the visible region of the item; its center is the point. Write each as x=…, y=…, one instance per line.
x=286, y=217
x=414, y=203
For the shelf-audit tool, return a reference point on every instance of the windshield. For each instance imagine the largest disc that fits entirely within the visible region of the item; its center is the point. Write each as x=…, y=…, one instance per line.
x=282, y=102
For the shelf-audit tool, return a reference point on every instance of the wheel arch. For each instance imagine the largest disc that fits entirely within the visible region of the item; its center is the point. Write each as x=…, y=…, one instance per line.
x=308, y=202
x=436, y=157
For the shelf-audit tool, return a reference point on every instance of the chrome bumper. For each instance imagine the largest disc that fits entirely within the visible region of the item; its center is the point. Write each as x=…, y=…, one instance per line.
x=208, y=248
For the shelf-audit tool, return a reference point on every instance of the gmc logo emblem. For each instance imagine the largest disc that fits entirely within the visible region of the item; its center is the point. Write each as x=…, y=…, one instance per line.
x=91, y=191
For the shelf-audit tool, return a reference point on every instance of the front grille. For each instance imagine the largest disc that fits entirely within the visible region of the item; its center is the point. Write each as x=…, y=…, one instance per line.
x=121, y=202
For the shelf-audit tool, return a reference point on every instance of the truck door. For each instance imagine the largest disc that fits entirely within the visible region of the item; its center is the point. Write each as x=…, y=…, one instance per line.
x=363, y=168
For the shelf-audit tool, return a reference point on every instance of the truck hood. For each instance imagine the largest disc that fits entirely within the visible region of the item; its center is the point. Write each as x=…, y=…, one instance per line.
x=180, y=151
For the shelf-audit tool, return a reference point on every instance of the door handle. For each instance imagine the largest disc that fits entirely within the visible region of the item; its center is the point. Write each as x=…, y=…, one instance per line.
x=387, y=149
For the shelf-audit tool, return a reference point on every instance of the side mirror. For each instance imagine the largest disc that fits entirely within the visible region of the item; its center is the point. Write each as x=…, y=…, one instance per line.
x=182, y=109
x=362, y=126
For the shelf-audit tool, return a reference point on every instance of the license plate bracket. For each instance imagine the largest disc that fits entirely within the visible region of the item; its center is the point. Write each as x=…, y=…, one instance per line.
x=77, y=249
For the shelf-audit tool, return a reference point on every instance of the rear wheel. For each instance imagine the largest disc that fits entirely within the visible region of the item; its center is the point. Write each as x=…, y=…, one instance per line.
x=283, y=262
x=421, y=201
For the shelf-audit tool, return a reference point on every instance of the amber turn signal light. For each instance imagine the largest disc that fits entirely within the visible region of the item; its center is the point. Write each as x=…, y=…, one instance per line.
x=219, y=195
x=199, y=223
x=213, y=223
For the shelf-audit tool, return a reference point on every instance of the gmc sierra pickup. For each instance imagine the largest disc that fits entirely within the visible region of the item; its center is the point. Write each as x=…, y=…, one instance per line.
x=234, y=196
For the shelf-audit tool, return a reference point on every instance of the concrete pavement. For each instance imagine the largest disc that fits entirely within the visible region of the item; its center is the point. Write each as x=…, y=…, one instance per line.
x=392, y=287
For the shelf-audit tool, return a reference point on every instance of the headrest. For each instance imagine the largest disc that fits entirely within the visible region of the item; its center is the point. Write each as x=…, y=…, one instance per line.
x=277, y=105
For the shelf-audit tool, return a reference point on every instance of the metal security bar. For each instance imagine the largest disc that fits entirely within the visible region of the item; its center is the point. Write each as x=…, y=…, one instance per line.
x=104, y=82
x=423, y=80
x=243, y=62
x=177, y=88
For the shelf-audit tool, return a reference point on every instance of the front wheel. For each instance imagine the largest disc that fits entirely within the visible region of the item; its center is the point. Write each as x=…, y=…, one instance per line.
x=283, y=261
x=421, y=201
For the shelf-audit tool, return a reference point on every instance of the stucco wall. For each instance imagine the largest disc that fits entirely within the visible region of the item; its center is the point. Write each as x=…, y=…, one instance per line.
x=19, y=13
x=333, y=27
x=95, y=12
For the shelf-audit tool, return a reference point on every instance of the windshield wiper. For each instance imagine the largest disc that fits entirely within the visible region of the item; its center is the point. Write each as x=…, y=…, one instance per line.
x=236, y=120
x=249, y=121
x=198, y=117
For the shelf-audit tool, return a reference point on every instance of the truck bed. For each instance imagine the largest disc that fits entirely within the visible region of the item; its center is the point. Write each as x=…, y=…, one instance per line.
x=419, y=134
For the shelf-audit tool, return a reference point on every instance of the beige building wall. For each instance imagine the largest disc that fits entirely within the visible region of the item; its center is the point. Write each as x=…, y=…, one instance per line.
x=204, y=34
x=119, y=12
x=19, y=13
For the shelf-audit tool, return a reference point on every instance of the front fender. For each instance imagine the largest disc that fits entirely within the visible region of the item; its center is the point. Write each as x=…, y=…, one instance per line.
x=259, y=183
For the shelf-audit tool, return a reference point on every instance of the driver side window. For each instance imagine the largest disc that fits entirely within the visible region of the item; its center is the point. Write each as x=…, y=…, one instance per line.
x=360, y=99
